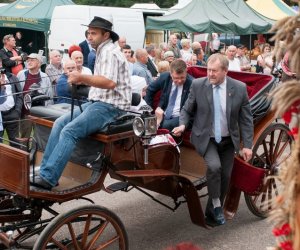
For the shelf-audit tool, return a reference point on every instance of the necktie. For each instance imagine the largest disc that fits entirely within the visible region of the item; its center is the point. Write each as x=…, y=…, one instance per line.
x=217, y=111
x=171, y=105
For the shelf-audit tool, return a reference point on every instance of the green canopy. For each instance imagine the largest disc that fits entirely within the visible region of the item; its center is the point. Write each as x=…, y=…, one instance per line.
x=207, y=16
x=29, y=14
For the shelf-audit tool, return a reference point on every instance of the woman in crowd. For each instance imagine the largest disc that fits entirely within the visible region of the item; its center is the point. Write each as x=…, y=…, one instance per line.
x=265, y=60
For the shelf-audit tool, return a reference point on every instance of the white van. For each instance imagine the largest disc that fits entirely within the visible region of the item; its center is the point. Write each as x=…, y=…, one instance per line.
x=66, y=24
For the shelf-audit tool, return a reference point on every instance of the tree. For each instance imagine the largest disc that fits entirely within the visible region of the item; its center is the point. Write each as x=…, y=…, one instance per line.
x=126, y=3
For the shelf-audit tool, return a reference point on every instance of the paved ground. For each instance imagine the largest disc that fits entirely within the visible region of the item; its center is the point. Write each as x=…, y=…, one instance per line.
x=153, y=227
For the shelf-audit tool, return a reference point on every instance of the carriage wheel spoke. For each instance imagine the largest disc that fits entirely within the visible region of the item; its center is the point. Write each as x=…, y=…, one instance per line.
x=72, y=234
x=282, y=149
x=268, y=161
x=261, y=159
x=271, y=149
x=97, y=235
x=279, y=140
x=275, y=188
x=86, y=231
x=270, y=186
x=112, y=240
x=58, y=244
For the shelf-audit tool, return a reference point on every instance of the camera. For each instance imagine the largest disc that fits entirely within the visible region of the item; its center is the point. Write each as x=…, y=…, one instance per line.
x=2, y=71
x=24, y=56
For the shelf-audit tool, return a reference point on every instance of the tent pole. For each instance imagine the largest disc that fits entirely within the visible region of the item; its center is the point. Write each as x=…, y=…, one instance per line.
x=46, y=45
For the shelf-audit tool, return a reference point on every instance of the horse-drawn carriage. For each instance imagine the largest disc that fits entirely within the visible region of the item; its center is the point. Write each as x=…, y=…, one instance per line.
x=128, y=154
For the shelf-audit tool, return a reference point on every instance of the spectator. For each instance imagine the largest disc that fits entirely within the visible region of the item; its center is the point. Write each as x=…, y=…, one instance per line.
x=163, y=66
x=63, y=88
x=186, y=51
x=193, y=60
x=27, y=77
x=77, y=57
x=139, y=86
x=234, y=63
x=54, y=69
x=172, y=46
x=175, y=87
x=265, y=60
x=245, y=64
x=151, y=65
x=91, y=60
x=11, y=108
x=215, y=43
x=122, y=42
x=72, y=49
x=198, y=51
x=140, y=67
x=127, y=53
x=86, y=48
x=12, y=58
x=255, y=52
x=19, y=42
x=169, y=56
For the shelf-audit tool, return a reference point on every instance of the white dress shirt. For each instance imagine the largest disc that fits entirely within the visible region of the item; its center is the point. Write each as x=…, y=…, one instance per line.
x=176, y=110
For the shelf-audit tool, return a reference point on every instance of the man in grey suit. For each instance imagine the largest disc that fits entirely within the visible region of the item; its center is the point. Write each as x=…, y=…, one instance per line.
x=222, y=119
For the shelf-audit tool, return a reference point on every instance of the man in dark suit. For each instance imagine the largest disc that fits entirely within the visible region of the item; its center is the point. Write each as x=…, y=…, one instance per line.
x=85, y=49
x=174, y=87
x=222, y=119
x=151, y=63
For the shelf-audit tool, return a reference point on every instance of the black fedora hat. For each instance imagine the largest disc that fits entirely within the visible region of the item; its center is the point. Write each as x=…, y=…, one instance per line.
x=99, y=22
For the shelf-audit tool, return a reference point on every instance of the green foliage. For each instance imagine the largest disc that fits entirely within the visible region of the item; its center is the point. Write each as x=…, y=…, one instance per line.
x=126, y=3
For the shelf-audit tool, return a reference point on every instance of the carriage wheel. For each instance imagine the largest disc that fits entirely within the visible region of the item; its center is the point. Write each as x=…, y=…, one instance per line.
x=270, y=150
x=86, y=227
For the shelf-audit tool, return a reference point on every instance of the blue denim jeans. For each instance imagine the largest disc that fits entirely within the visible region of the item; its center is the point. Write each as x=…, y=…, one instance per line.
x=66, y=133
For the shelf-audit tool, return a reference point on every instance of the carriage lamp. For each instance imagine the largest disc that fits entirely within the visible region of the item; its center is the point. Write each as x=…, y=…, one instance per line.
x=145, y=127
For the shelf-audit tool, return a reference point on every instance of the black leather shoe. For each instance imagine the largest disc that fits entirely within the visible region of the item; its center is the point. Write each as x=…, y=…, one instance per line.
x=40, y=182
x=210, y=221
x=219, y=216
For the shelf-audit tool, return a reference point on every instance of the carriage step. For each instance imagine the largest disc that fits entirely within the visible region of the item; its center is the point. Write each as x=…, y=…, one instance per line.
x=118, y=186
x=200, y=182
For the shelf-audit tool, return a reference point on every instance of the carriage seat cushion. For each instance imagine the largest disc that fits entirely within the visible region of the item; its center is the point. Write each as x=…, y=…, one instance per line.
x=52, y=112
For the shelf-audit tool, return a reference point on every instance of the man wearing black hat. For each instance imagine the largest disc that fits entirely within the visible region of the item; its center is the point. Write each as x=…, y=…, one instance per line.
x=109, y=97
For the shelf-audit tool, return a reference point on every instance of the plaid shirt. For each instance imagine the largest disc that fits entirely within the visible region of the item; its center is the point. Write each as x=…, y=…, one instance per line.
x=111, y=63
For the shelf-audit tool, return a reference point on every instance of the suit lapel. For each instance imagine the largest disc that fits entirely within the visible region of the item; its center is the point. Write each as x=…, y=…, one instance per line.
x=209, y=96
x=229, y=99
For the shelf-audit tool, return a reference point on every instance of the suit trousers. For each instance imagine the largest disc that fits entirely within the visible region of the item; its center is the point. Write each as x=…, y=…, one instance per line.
x=219, y=159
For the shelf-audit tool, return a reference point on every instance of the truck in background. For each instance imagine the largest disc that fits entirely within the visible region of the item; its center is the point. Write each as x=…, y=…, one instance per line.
x=66, y=26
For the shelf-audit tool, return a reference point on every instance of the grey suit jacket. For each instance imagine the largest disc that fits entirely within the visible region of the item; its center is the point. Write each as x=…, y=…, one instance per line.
x=200, y=103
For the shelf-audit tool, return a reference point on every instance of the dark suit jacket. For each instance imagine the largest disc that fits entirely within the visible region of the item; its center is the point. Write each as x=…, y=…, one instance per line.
x=239, y=117
x=164, y=83
x=85, y=51
x=151, y=67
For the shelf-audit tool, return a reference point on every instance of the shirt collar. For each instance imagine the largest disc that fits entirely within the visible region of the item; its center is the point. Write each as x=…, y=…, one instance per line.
x=222, y=85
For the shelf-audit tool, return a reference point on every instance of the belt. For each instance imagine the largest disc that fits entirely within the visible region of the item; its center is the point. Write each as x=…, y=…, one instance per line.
x=223, y=138
x=7, y=111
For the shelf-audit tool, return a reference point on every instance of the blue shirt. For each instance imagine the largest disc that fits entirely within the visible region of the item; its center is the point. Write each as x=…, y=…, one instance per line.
x=141, y=70
x=63, y=90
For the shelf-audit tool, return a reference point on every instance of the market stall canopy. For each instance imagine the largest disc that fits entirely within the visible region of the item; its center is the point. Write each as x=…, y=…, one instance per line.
x=272, y=9
x=32, y=15
x=221, y=16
